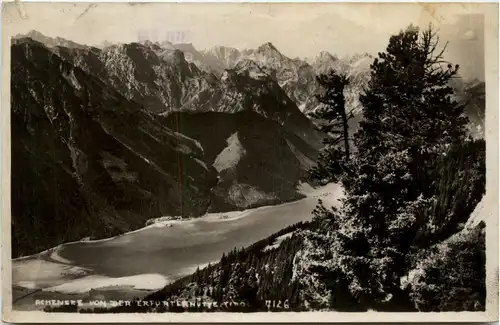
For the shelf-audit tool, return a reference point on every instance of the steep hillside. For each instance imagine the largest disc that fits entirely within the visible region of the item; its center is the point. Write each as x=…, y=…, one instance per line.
x=248, y=88
x=92, y=158
x=87, y=161
x=258, y=162
x=163, y=78
x=160, y=80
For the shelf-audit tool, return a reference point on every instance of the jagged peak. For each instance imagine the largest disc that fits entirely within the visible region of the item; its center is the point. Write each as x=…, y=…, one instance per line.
x=50, y=41
x=325, y=55
x=34, y=33
x=268, y=47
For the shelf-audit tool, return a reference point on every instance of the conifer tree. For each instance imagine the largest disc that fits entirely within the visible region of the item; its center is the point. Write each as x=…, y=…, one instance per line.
x=409, y=121
x=334, y=118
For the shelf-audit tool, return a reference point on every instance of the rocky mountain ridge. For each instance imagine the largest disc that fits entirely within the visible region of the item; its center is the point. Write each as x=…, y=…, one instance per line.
x=161, y=78
x=296, y=77
x=95, y=156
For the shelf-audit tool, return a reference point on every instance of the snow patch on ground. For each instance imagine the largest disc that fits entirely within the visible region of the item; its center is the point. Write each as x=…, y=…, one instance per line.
x=278, y=241
x=231, y=155
x=37, y=273
x=138, y=282
x=305, y=189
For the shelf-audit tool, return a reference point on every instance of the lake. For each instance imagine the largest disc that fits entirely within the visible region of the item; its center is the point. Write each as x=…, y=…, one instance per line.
x=149, y=258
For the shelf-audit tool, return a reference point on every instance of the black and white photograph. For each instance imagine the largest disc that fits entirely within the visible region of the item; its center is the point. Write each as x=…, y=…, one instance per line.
x=199, y=159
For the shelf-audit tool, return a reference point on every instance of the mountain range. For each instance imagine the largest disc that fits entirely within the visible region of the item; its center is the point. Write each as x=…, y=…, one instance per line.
x=297, y=77
x=104, y=139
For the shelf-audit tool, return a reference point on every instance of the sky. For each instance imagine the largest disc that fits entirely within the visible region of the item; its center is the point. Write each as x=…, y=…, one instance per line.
x=296, y=29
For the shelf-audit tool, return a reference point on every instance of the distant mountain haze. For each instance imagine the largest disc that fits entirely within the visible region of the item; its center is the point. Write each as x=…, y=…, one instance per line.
x=208, y=79
x=298, y=30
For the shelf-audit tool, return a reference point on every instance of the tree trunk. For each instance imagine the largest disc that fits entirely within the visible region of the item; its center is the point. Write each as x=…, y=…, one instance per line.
x=346, y=133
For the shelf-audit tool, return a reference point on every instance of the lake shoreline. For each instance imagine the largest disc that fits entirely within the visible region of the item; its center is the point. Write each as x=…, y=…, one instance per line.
x=152, y=256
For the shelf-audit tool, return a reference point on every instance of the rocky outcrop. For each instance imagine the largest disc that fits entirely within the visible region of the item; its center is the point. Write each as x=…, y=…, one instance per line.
x=252, y=155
